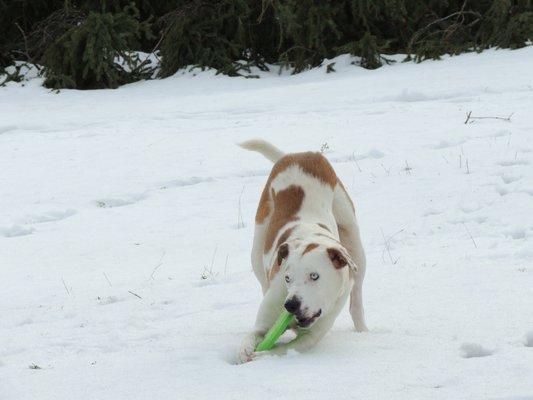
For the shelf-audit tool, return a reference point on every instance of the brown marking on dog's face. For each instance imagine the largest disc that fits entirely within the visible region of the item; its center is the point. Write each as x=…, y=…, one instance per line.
x=287, y=203
x=323, y=226
x=284, y=236
x=314, y=164
x=309, y=247
x=337, y=258
x=283, y=253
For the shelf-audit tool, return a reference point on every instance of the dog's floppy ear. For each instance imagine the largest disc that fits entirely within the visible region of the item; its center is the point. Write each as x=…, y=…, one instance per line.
x=283, y=252
x=340, y=258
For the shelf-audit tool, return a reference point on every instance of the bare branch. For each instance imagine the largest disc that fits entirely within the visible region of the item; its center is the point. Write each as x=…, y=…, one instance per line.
x=469, y=234
x=65, y=285
x=135, y=294
x=158, y=264
x=107, y=279
x=469, y=117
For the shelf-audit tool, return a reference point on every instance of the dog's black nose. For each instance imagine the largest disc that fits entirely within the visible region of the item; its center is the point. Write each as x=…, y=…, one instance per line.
x=292, y=305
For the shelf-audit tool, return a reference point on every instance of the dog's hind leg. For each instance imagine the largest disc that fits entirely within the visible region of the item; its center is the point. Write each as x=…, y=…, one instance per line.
x=356, y=306
x=349, y=236
x=257, y=255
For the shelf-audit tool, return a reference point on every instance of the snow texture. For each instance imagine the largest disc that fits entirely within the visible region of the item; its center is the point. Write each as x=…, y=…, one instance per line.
x=469, y=350
x=126, y=222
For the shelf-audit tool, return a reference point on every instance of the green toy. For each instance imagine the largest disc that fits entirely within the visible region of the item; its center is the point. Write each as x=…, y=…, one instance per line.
x=275, y=332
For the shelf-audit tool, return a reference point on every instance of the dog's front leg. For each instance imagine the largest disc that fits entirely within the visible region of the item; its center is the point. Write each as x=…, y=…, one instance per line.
x=267, y=314
x=306, y=338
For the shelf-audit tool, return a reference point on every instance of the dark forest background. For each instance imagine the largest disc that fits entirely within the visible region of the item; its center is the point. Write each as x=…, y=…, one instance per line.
x=77, y=43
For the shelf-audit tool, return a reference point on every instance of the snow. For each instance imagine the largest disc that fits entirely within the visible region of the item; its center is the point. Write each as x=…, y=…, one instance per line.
x=469, y=350
x=126, y=221
x=529, y=339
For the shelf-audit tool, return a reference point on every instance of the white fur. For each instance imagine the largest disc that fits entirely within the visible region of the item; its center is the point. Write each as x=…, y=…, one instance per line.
x=268, y=150
x=329, y=293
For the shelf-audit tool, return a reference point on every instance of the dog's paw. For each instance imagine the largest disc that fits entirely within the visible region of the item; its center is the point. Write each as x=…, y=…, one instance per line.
x=247, y=348
x=256, y=355
x=243, y=357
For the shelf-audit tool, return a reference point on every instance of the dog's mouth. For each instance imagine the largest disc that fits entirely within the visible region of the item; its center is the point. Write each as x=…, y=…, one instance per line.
x=306, y=322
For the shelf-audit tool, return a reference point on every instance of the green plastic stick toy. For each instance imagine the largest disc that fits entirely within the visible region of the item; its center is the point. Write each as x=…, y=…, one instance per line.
x=275, y=332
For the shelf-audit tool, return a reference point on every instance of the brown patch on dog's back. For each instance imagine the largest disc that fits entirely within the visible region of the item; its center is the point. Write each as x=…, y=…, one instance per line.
x=309, y=247
x=263, y=209
x=314, y=164
x=287, y=203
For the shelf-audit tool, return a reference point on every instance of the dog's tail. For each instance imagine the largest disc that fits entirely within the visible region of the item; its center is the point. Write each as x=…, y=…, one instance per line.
x=262, y=146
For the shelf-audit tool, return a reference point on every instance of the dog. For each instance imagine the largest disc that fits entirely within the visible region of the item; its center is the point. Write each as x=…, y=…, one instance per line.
x=307, y=252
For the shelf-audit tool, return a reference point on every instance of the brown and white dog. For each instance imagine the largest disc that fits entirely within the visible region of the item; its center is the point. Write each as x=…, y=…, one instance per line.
x=307, y=252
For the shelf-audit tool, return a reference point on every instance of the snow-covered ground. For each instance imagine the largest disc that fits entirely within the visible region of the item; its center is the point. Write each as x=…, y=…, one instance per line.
x=126, y=220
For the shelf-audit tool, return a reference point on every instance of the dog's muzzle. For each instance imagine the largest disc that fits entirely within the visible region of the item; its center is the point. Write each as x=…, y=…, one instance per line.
x=306, y=322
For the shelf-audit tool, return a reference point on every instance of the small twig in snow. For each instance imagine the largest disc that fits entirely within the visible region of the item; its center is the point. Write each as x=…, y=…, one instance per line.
x=213, y=258
x=209, y=271
x=226, y=264
x=469, y=234
x=240, y=220
x=135, y=294
x=407, y=168
x=107, y=279
x=65, y=285
x=470, y=117
x=386, y=242
x=158, y=264
x=355, y=161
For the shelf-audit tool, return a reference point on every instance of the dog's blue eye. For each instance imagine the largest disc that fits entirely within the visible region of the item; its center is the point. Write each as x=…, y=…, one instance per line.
x=314, y=276
x=287, y=279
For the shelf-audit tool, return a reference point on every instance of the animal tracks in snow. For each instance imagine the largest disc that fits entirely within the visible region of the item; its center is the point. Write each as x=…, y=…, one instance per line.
x=510, y=178
x=528, y=339
x=23, y=226
x=15, y=230
x=194, y=180
x=513, y=162
x=129, y=199
x=444, y=144
x=49, y=216
x=112, y=202
x=471, y=350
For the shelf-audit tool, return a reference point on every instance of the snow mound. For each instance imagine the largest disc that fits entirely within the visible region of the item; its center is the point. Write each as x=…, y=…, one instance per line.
x=528, y=339
x=15, y=230
x=471, y=350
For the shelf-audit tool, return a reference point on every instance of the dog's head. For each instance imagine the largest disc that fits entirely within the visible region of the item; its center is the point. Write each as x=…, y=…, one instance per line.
x=316, y=276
